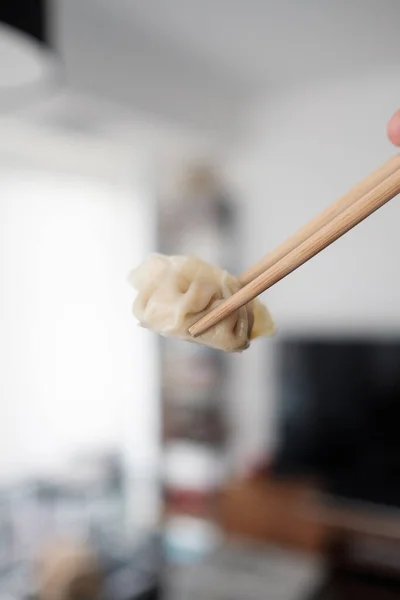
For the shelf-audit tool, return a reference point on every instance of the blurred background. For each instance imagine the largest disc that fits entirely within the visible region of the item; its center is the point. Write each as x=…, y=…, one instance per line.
x=135, y=468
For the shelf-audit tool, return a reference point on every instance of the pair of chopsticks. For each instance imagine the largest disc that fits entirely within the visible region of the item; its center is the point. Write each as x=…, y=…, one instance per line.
x=358, y=204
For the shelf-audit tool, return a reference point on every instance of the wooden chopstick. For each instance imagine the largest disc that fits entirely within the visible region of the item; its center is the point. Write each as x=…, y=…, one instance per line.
x=322, y=219
x=348, y=218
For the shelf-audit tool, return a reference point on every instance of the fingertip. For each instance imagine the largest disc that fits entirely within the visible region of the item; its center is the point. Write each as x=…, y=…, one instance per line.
x=393, y=129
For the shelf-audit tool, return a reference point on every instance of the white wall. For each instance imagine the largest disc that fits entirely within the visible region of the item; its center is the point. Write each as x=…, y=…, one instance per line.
x=304, y=149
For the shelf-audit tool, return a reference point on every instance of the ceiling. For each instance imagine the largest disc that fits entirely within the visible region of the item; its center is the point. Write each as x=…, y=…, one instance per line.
x=250, y=43
x=200, y=64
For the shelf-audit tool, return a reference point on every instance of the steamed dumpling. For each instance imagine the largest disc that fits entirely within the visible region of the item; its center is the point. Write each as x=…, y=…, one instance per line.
x=175, y=291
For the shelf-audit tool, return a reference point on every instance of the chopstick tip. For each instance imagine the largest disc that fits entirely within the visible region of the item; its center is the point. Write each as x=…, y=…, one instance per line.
x=193, y=330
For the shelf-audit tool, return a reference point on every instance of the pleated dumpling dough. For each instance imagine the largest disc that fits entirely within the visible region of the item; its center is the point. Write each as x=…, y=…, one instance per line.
x=175, y=291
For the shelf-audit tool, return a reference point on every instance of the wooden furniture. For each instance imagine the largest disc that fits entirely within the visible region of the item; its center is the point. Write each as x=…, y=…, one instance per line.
x=271, y=511
x=360, y=544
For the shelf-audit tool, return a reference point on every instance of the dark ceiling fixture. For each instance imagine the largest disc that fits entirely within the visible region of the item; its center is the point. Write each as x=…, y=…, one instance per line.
x=29, y=66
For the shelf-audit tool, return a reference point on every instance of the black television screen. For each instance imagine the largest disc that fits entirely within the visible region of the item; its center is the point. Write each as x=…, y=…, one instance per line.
x=339, y=416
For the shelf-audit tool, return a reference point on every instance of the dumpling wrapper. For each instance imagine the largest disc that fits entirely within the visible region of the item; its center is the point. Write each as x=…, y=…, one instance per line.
x=175, y=291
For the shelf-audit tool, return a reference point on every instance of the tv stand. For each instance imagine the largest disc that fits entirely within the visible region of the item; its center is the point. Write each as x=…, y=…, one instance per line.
x=363, y=551
x=359, y=542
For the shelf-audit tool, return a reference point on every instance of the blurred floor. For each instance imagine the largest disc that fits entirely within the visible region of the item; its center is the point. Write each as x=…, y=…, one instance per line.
x=248, y=571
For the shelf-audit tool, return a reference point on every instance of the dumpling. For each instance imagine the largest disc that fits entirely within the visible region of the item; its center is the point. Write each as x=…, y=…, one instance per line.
x=175, y=291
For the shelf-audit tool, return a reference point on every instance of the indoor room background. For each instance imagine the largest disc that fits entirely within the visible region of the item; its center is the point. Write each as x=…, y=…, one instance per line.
x=287, y=103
